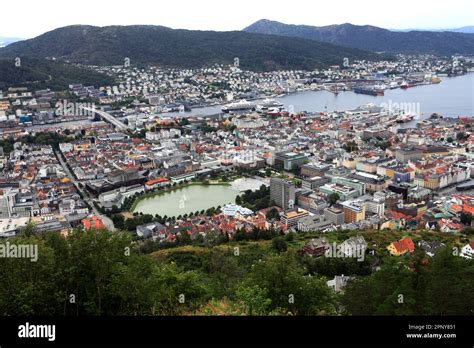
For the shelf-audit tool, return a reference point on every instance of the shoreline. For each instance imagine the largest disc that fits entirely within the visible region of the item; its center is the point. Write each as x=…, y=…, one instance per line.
x=376, y=99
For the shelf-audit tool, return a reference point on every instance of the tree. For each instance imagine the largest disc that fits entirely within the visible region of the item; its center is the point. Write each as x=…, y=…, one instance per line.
x=466, y=218
x=121, y=282
x=255, y=299
x=462, y=136
x=225, y=272
x=24, y=285
x=351, y=146
x=272, y=214
x=183, y=238
x=333, y=198
x=183, y=122
x=458, y=297
x=119, y=221
x=279, y=244
x=386, y=292
x=468, y=231
x=296, y=169
x=289, y=288
x=240, y=235
x=438, y=286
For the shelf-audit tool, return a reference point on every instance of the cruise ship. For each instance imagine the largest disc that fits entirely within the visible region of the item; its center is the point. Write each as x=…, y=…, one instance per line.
x=269, y=104
x=240, y=106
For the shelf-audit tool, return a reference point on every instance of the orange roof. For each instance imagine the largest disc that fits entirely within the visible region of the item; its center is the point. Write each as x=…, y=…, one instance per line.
x=468, y=209
x=397, y=215
x=156, y=181
x=404, y=245
x=456, y=207
x=92, y=223
x=293, y=214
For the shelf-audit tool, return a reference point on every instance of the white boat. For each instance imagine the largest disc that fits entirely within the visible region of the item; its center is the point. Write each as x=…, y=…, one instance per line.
x=393, y=85
x=405, y=85
x=239, y=106
x=381, y=87
x=274, y=111
x=268, y=104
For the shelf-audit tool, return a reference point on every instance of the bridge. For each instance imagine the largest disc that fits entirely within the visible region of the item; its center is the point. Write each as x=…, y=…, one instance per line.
x=108, y=117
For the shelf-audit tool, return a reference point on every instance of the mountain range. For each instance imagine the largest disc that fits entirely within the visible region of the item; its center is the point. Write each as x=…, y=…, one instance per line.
x=467, y=30
x=263, y=46
x=181, y=48
x=372, y=38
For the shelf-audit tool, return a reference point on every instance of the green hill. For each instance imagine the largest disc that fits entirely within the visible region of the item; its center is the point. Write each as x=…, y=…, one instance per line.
x=181, y=48
x=41, y=73
x=372, y=38
x=219, y=277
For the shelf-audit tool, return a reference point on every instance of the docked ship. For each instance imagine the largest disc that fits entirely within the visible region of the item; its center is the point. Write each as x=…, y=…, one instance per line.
x=368, y=90
x=240, y=106
x=393, y=85
x=276, y=112
x=269, y=104
x=380, y=87
x=405, y=118
x=405, y=85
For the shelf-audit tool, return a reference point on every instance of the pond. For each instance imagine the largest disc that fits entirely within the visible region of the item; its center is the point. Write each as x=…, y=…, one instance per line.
x=186, y=200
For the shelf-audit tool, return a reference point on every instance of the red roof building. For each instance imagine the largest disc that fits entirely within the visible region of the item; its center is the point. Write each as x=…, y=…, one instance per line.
x=92, y=223
x=401, y=247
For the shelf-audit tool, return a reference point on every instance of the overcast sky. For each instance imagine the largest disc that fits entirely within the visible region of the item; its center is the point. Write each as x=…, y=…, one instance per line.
x=29, y=18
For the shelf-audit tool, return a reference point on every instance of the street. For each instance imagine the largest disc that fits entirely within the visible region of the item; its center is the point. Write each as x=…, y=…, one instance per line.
x=105, y=220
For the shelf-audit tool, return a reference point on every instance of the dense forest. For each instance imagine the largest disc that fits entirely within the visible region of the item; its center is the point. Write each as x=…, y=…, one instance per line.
x=181, y=48
x=372, y=38
x=104, y=273
x=42, y=73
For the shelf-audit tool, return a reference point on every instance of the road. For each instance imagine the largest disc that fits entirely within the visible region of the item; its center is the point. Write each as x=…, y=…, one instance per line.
x=105, y=220
x=452, y=191
x=108, y=117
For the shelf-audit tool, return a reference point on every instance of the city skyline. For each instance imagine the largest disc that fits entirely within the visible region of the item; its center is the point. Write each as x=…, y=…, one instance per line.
x=199, y=160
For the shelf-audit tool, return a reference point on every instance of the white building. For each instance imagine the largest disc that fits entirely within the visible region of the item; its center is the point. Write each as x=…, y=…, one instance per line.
x=234, y=209
x=468, y=251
